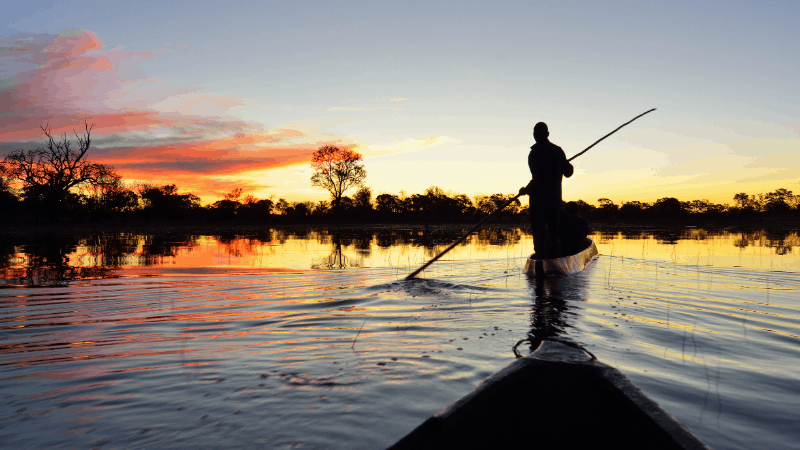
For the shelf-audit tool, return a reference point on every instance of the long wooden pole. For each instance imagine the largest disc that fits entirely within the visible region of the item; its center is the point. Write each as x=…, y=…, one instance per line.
x=609, y=134
x=495, y=212
x=461, y=239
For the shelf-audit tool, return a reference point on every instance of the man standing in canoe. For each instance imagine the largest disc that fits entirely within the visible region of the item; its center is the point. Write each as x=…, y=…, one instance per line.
x=548, y=164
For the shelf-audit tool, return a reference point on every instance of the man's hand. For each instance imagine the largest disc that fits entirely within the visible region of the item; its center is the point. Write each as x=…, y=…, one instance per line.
x=523, y=191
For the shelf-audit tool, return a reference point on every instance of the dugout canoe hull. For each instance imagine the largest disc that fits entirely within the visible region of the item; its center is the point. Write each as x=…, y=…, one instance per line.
x=566, y=265
x=557, y=397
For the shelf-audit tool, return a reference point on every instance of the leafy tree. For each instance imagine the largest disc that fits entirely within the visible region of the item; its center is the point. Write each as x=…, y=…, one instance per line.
x=321, y=208
x=607, y=205
x=254, y=208
x=388, y=204
x=363, y=199
x=228, y=206
x=165, y=202
x=668, y=207
x=464, y=204
x=301, y=209
x=488, y=204
x=337, y=170
x=282, y=206
x=346, y=204
x=8, y=197
x=49, y=174
x=294, y=209
x=745, y=203
x=585, y=209
x=110, y=196
x=634, y=209
x=779, y=201
x=437, y=203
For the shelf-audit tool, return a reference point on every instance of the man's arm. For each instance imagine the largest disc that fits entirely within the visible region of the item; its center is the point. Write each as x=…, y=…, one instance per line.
x=566, y=166
x=526, y=190
x=569, y=170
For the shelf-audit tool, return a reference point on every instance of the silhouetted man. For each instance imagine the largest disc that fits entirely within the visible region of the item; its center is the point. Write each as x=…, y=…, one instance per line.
x=548, y=164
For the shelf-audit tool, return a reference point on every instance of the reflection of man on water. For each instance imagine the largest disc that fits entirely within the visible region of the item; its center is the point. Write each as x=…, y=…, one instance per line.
x=548, y=164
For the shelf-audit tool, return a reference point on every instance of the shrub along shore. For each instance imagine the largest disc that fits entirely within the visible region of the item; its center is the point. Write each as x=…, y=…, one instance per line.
x=148, y=205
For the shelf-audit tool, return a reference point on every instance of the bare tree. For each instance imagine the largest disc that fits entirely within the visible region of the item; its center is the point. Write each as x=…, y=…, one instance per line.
x=48, y=174
x=336, y=170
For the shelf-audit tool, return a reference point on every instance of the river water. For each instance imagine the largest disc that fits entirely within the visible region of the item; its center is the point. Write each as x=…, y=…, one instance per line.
x=311, y=338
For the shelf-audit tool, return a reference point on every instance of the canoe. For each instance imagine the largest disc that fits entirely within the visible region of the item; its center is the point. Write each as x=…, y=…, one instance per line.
x=557, y=397
x=566, y=265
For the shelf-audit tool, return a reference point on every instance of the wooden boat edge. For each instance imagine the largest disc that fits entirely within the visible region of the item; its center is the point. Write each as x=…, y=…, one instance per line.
x=566, y=265
x=552, y=353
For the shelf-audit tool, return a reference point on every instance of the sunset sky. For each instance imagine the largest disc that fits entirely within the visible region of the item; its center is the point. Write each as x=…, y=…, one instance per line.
x=217, y=95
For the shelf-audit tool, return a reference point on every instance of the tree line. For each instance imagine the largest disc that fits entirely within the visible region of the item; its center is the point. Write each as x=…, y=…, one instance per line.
x=57, y=182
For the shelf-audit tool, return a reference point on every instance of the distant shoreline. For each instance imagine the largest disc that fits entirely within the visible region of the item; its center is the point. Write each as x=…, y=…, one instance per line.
x=782, y=223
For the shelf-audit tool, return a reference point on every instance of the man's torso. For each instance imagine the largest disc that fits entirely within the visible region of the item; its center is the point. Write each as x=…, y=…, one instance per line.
x=546, y=162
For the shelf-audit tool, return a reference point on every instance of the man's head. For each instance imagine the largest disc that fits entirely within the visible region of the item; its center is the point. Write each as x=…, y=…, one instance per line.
x=540, y=132
x=572, y=208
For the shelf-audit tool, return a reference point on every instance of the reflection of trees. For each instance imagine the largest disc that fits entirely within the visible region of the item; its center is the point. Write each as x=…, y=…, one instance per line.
x=156, y=247
x=110, y=249
x=782, y=241
x=666, y=236
x=58, y=258
x=54, y=259
x=238, y=244
x=46, y=263
x=497, y=236
x=741, y=243
x=337, y=259
x=7, y=253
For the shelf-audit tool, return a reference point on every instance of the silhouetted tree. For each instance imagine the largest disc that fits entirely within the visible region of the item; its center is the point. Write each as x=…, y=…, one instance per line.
x=165, y=202
x=282, y=206
x=346, y=204
x=607, y=208
x=388, y=204
x=49, y=174
x=254, y=208
x=633, y=209
x=8, y=197
x=668, y=207
x=228, y=206
x=779, y=201
x=745, y=203
x=336, y=170
x=435, y=203
x=299, y=209
x=585, y=209
x=109, y=196
x=487, y=204
x=363, y=199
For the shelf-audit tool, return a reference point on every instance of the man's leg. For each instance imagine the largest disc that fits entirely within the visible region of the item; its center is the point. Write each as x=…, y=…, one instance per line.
x=539, y=231
x=554, y=243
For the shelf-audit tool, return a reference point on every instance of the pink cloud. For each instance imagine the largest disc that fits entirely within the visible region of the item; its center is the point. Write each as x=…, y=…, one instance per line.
x=58, y=75
x=72, y=75
x=146, y=130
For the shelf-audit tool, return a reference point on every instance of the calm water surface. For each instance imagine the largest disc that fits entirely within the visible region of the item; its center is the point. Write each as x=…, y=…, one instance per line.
x=311, y=338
